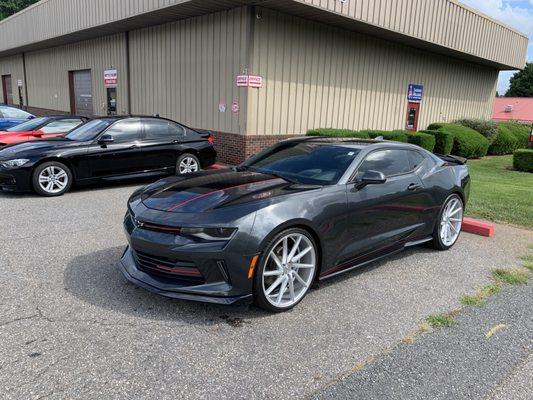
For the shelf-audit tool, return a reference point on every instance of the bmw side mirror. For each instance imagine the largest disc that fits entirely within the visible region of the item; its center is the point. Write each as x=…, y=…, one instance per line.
x=106, y=139
x=371, y=178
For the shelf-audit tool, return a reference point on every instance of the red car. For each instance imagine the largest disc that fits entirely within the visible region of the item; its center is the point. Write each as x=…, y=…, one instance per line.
x=40, y=128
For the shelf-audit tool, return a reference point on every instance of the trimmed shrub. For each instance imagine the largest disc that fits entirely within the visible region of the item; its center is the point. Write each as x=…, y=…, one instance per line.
x=443, y=141
x=504, y=143
x=467, y=142
x=337, y=133
x=424, y=140
x=397, y=136
x=521, y=132
x=489, y=129
x=436, y=126
x=523, y=160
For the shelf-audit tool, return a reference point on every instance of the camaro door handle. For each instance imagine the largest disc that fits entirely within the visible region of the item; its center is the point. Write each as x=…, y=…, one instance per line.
x=413, y=186
x=134, y=146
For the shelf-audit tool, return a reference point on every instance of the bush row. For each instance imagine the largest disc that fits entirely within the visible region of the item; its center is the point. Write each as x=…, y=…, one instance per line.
x=504, y=137
x=469, y=138
x=523, y=160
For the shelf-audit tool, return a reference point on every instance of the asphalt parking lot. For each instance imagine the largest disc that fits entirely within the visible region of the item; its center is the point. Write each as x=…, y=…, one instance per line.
x=72, y=327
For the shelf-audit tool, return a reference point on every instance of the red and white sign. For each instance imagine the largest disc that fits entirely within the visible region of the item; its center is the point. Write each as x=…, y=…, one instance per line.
x=110, y=78
x=242, y=81
x=253, y=81
x=235, y=107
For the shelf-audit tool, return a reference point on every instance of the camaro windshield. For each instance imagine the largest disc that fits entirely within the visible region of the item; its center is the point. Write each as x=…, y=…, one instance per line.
x=30, y=125
x=304, y=162
x=89, y=131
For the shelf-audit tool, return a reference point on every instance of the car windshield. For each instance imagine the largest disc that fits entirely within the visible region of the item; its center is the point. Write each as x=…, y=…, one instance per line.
x=30, y=125
x=304, y=162
x=89, y=131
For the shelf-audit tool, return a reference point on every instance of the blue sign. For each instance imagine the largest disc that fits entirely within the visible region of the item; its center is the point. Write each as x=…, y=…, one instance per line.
x=415, y=92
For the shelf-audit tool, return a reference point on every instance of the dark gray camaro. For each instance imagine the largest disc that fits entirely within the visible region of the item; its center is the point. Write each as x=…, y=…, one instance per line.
x=302, y=210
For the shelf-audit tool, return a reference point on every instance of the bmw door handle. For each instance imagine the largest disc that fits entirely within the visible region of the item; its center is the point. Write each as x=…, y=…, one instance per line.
x=413, y=186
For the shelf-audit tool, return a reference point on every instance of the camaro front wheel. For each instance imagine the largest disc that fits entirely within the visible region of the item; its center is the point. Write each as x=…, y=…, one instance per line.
x=51, y=179
x=286, y=271
x=448, y=226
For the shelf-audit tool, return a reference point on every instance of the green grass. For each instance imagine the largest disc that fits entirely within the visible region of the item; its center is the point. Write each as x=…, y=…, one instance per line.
x=480, y=296
x=511, y=276
x=528, y=262
x=499, y=194
x=440, y=320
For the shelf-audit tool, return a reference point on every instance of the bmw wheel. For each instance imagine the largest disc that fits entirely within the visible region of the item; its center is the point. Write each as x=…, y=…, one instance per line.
x=51, y=179
x=286, y=271
x=186, y=164
x=448, y=226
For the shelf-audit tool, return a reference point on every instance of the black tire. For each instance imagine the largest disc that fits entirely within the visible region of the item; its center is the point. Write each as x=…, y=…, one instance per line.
x=260, y=299
x=437, y=242
x=184, y=157
x=58, y=167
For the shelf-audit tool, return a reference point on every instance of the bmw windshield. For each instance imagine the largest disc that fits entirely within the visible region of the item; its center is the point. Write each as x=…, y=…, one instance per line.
x=304, y=162
x=90, y=130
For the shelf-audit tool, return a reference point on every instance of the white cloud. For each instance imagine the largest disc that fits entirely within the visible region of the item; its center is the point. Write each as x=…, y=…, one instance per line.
x=515, y=13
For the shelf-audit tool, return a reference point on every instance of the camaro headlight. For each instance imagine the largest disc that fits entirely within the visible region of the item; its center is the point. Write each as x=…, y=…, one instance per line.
x=209, y=233
x=19, y=162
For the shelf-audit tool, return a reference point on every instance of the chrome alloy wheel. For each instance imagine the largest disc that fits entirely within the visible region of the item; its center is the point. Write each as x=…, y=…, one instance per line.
x=289, y=270
x=188, y=165
x=53, y=179
x=451, y=221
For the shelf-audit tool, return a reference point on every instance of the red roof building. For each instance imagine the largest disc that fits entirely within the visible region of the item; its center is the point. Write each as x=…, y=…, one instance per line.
x=513, y=109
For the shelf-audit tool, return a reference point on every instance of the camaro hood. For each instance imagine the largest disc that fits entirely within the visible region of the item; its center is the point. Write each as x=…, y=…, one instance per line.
x=24, y=149
x=208, y=190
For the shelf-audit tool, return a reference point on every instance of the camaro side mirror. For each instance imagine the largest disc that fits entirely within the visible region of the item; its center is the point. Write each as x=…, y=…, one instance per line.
x=106, y=139
x=371, y=178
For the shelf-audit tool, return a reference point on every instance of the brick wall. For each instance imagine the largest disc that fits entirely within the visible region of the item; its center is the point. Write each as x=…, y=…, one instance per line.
x=234, y=148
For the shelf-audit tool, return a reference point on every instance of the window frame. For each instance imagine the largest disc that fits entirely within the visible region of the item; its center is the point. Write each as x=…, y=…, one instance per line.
x=170, y=124
x=106, y=130
x=353, y=177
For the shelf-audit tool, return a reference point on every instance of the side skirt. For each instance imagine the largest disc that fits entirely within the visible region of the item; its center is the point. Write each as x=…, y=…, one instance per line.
x=373, y=256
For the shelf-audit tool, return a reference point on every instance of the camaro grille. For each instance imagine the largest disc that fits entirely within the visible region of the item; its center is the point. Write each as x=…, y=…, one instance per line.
x=161, y=266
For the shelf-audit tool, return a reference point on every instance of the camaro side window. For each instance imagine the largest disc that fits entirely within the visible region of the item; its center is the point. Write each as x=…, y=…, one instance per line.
x=415, y=159
x=389, y=162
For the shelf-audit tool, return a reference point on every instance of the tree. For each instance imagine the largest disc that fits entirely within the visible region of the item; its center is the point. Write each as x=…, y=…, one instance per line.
x=522, y=83
x=10, y=7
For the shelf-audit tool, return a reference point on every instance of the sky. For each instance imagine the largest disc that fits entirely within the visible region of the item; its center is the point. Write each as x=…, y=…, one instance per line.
x=515, y=13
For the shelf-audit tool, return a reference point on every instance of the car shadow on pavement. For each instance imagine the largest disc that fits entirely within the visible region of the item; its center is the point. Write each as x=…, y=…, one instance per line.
x=95, y=279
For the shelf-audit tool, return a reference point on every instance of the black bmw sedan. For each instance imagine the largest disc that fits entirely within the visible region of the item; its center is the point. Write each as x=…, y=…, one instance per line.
x=110, y=148
x=302, y=210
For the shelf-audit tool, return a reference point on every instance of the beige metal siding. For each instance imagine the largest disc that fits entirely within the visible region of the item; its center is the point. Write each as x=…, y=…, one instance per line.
x=443, y=22
x=438, y=21
x=13, y=66
x=183, y=70
x=320, y=76
x=48, y=78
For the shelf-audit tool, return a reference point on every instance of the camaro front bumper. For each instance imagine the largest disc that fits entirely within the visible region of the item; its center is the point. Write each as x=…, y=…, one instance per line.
x=217, y=292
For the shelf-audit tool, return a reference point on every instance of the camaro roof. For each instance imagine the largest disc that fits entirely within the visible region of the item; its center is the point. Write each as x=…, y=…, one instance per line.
x=351, y=142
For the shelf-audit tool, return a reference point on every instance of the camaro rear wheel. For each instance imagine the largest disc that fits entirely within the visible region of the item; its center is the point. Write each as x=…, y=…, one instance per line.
x=51, y=179
x=286, y=271
x=186, y=164
x=449, y=225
